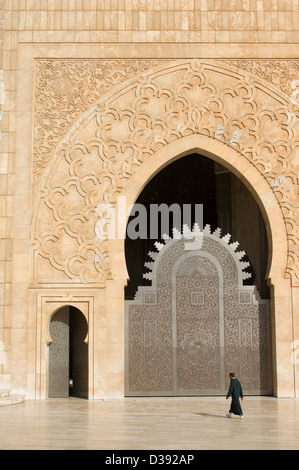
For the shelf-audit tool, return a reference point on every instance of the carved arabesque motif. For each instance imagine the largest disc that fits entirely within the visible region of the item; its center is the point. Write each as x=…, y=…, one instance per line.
x=161, y=106
x=67, y=88
x=281, y=73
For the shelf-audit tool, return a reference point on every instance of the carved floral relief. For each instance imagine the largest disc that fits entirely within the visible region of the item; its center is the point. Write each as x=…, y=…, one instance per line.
x=65, y=90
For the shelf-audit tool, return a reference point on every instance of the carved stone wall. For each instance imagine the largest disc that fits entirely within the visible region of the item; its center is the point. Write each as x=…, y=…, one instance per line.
x=196, y=323
x=159, y=103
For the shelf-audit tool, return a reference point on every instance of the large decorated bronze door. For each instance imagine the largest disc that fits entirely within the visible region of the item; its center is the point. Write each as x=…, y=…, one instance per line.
x=197, y=322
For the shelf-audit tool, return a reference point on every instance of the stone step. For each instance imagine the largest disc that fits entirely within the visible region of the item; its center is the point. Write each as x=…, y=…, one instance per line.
x=6, y=398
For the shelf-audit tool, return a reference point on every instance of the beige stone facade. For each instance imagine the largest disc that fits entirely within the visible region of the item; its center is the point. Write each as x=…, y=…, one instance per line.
x=97, y=97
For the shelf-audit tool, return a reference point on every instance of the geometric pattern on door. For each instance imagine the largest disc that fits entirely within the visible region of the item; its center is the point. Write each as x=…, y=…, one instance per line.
x=59, y=354
x=197, y=322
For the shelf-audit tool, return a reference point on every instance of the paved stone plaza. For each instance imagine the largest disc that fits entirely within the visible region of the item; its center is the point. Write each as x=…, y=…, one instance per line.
x=150, y=424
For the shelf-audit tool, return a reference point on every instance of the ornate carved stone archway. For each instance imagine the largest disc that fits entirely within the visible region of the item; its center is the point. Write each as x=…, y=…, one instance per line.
x=124, y=129
x=164, y=110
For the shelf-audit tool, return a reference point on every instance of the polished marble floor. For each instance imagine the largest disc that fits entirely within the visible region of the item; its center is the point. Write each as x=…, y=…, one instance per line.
x=197, y=423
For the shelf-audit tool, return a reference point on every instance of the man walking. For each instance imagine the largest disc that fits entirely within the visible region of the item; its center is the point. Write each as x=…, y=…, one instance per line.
x=235, y=391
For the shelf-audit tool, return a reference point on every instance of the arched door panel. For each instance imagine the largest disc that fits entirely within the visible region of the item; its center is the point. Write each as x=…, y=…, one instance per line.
x=59, y=354
x=198, y=326
x=68, y=354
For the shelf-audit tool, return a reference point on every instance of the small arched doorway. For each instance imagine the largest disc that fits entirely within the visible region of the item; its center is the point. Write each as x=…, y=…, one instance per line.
x=68, y=354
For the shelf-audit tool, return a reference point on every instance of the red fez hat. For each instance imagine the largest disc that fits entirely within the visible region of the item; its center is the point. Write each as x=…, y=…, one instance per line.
x=231, y=374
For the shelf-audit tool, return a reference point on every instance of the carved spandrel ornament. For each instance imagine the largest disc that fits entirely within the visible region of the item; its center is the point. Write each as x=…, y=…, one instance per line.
x=165, y=102
x=284, y=74
x=190, y=348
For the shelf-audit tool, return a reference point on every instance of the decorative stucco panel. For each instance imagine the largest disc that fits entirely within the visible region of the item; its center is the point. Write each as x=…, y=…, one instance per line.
x=96, y=122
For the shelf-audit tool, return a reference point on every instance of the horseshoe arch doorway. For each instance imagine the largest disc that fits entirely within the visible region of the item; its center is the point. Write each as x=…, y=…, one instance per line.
x=158, y=361
x=68, y=354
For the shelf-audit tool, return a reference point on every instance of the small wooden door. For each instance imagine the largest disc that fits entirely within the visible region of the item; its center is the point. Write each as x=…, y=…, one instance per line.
x=68, y=354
